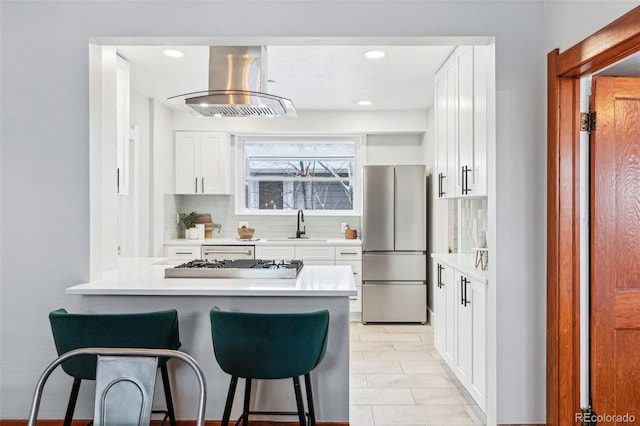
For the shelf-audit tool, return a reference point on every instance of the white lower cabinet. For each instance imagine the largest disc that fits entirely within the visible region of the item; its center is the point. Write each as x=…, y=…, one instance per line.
x=460, y=327
x=187, y=252
x=275, y=253
x=445, y=312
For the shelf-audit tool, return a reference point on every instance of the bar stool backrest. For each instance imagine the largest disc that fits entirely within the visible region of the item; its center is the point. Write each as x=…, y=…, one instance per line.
x=152, y=330
x=269, y=346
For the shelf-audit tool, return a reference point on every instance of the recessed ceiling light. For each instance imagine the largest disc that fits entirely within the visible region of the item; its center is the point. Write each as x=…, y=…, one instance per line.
x=374, y=54
x=364, y=103
x=173, y=53
x=204, y=104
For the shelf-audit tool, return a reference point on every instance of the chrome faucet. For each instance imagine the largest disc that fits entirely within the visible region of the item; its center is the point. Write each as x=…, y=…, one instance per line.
x=300, y=233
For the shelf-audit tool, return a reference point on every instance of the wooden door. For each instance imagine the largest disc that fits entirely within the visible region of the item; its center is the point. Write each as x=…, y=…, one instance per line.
x=615, y=248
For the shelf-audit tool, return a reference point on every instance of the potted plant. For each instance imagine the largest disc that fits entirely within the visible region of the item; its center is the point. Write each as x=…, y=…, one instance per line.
x=188, y=221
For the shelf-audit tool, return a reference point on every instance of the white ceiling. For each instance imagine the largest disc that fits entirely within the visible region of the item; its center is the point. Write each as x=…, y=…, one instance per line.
x=314, y=77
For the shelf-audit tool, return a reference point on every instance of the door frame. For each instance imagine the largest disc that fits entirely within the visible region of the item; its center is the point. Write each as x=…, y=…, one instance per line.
x=614, y=42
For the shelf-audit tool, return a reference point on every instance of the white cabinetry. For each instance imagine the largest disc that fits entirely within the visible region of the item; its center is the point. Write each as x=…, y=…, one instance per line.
x=470, y=365
x=202, y=163
x=445, y=312
x=461, y=123
x=123, y=96
x=460, y=327
x=190, y=252
x=315, y=255
x=276, y=253
x=352, y=256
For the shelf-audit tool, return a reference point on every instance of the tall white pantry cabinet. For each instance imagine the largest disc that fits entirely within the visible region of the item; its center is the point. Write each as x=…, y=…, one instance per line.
x=461, y=131
x=203, y=163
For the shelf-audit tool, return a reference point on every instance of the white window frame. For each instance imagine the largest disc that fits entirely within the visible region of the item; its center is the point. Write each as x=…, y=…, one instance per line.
x=240, y=139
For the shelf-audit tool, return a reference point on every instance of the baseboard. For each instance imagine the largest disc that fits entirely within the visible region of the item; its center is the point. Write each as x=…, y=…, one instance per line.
x=522, y=424
x=23, y=422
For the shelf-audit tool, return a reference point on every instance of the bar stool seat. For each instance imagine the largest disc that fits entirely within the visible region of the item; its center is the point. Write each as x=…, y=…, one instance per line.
x=269, y=346
x=148, y=330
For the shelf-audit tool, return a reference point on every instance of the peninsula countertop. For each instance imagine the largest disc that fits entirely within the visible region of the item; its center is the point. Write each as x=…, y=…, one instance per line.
x=144, y=276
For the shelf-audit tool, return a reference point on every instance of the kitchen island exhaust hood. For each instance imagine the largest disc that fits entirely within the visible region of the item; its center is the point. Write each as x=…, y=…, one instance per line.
x=237, y=76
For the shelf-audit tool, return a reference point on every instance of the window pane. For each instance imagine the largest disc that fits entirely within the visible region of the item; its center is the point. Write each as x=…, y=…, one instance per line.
x=300, y=168
x=309, y=195
x=292, y=175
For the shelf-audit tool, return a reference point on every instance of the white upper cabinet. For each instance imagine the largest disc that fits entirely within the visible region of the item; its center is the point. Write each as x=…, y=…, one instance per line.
x=123, y=87
x=203, y=163
x=461, y=123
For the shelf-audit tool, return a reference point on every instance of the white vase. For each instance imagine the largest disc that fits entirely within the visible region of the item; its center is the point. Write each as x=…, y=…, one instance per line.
x=193, y=233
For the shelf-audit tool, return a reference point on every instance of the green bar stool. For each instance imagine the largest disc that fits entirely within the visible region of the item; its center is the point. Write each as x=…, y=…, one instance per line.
x=148, y=330
x=269, y=346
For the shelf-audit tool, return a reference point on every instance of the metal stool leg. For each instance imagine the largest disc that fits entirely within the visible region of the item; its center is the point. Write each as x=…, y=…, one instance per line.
x=73, y=398
x=167, y=393
x=229, y=403
x=299, y=403
x=312, y=412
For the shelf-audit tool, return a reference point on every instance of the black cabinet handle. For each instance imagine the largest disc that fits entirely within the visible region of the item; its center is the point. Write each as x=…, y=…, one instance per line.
x=202, y=185
x=462, y=290
x=465, y=180
x=196, y=185
x=440, y=268
x=440, y=186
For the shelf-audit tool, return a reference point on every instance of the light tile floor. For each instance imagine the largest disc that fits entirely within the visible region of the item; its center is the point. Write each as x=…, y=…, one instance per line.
x=399, y=378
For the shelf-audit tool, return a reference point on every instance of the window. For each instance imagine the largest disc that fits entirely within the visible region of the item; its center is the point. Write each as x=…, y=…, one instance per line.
x=316, y=174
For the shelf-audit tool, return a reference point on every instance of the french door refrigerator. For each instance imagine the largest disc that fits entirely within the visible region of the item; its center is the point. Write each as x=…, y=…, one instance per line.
x=394, y=244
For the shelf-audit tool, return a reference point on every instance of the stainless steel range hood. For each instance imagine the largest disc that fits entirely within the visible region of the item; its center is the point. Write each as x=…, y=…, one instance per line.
x=237, y=78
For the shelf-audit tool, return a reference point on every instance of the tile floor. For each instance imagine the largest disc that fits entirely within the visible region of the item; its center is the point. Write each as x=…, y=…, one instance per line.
x=399, y=378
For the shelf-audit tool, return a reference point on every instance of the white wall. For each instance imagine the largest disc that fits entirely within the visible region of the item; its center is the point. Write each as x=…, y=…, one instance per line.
x=45, y=158
x=395, y=149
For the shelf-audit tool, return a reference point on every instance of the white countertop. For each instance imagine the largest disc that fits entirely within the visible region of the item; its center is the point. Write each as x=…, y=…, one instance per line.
x=462, y=262
x=145, y=276
x=266, y=242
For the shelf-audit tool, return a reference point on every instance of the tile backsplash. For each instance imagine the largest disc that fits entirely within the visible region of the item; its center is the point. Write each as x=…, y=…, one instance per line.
x=221, y=208
x=473, y=218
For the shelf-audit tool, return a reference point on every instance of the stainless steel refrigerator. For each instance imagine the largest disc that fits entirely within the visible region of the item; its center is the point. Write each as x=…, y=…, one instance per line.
x=394, y=244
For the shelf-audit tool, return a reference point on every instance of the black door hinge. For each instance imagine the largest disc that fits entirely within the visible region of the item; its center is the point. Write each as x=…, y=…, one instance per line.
x=587, y=121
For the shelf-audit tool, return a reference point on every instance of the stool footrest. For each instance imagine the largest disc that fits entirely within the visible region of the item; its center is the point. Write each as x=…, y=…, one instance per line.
x=270, y=413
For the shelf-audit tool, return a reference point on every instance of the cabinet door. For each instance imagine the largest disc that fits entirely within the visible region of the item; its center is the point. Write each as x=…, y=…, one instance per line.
x=122, y=124
x=275, y=253
x=441, y=119
x=464, y=342
x=320, y=255
x=440, y=309
x=478, y=178
x=464, y=79
x=450, y=315
x=452, y=130
x=477, y=383
x=215, y=158
x=187, y=162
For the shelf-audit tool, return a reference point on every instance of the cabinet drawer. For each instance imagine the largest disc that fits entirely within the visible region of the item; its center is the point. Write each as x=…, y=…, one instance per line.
x=275, y=253
x=356, y=266
x=191, y=252
x=348, y=253
x=315, y=253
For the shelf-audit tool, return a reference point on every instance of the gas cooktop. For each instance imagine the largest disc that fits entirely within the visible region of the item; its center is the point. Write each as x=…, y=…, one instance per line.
x=238, y=268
